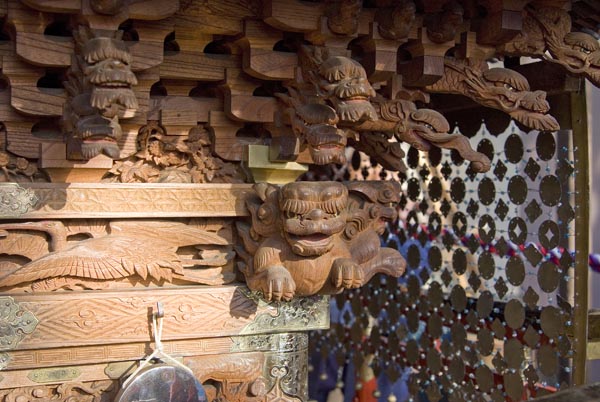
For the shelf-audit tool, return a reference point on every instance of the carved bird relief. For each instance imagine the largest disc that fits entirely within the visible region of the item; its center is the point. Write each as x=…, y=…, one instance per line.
x=145, y=250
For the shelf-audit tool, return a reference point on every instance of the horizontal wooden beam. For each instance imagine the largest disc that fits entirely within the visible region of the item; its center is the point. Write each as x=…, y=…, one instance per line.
x=100, y=200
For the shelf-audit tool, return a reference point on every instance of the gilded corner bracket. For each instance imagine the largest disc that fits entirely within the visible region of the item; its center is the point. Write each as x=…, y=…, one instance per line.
x=16, y=323
x=299, y=314
x=15, y=200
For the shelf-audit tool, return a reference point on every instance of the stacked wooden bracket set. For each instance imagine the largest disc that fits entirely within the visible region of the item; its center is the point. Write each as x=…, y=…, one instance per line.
x=130, y=129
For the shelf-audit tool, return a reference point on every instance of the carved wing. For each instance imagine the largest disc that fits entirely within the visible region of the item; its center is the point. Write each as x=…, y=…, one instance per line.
x=109, y=257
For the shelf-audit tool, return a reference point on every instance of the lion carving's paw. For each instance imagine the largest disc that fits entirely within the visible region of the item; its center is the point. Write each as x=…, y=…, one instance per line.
x=346, y=274
x=278, y=285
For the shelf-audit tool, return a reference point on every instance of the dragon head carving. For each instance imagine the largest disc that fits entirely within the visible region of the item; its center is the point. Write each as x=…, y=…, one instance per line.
x=509, y=91
x=579, y=53
x=315, y=125
x=498, y=88
x=547, y=35
x=100, y=92
x=343, y=82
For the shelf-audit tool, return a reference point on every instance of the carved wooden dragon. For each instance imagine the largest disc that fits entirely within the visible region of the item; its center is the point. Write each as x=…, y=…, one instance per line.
x=547, y=35
x=498, y=88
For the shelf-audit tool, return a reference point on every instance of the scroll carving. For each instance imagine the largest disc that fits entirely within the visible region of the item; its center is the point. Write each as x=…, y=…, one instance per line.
x=136, y=251
x=68, y=391
x=173, y=159
x=547, y=35
x=499, y=88
x=234, y=378
x=299, y=242
x=100, y=93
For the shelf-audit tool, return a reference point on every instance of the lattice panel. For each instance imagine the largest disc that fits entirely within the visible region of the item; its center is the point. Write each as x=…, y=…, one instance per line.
x=486, y=305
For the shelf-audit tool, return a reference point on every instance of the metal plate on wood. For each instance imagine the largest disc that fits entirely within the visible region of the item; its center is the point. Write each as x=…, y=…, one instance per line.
x=514, y=314
x=550, y=192
x=513, y=148
x=486, y=191
x=517, y=190
x=545, y=145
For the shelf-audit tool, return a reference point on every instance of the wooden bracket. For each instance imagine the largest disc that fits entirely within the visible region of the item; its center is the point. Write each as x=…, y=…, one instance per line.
x=503, y=21
x=227, y=144
x=379, y=55
x=427, y=63
x=293, y=15
x=260, y=60
x=241, y=105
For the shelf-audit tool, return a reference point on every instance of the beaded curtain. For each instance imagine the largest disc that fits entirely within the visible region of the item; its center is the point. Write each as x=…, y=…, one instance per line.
x=486, y=304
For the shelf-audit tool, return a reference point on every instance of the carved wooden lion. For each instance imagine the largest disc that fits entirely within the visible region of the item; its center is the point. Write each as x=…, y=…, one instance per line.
x=304, y=240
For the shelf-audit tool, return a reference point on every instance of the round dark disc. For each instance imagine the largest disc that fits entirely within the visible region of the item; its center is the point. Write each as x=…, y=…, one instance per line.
x=163, y=383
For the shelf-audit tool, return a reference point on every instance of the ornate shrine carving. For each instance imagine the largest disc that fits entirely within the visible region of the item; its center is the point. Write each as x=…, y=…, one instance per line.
x=499, y=88
x=128, y=125
x=173, y=159
x=139, y=251
x=547, y=35
x=308, y=238
x=99, y=89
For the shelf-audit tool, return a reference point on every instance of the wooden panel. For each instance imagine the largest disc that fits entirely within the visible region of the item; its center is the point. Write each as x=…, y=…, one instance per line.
x=143, y=200
x=84, y=318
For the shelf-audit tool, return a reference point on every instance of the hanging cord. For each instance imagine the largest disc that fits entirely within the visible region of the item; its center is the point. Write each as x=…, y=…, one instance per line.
x=157, y=328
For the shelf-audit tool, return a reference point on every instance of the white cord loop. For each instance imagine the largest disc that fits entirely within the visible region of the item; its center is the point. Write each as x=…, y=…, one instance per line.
x=157, y=328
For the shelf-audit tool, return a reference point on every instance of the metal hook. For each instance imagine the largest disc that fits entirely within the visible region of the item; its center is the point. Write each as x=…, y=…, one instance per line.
x=160, y=312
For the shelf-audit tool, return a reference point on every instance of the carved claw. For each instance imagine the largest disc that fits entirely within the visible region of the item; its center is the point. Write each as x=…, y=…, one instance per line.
x=346, y=274
x=278, y=284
